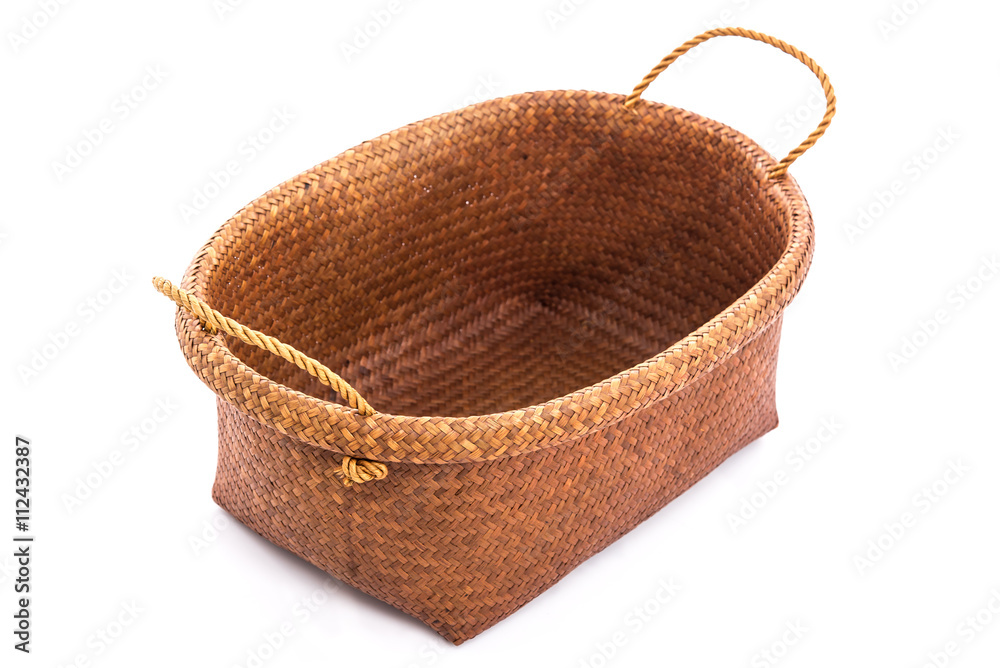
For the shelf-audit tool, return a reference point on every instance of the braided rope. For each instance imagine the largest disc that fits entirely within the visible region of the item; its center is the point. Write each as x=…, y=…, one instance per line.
x=352, y=470
x=361, y=470
x=831, y=100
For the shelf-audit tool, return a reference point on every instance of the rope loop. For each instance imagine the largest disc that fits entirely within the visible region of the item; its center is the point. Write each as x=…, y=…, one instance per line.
x=353, y=470
x=360, y=471
x=781, y=168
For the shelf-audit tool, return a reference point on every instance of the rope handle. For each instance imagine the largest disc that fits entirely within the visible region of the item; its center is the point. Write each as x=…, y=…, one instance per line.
x=351, y=470
x=831, y=100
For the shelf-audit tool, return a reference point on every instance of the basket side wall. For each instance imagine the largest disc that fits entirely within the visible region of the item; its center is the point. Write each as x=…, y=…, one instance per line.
x=461, y=547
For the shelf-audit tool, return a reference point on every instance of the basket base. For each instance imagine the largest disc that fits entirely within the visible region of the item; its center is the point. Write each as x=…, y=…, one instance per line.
x=462, y=546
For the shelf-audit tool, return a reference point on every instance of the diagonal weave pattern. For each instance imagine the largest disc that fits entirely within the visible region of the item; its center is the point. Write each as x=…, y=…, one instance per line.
x=215, y=321
x=566, y=313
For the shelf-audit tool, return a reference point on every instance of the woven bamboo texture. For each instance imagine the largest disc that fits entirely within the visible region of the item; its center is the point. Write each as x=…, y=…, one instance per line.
x=523, y=326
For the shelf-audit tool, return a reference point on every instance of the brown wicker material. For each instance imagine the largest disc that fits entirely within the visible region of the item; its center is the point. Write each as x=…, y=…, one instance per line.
x=562, y=308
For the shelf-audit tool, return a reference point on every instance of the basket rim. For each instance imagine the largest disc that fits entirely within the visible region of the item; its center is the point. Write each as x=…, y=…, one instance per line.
x=449, y=439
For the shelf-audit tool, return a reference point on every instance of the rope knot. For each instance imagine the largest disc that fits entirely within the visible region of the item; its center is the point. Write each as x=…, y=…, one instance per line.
x=361, y=470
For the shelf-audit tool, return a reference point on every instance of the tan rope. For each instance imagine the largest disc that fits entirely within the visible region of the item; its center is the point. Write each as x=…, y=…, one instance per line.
x=352, y=470
x=831, y=100
x=361, y=470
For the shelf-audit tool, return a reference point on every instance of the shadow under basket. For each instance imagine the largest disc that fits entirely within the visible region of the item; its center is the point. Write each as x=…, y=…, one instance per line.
x=550, y=314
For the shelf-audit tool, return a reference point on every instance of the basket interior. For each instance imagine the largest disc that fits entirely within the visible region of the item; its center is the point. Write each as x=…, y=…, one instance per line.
x=491, y=258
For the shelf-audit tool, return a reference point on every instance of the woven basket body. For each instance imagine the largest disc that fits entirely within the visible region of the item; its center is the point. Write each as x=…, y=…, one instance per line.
x=564, y=312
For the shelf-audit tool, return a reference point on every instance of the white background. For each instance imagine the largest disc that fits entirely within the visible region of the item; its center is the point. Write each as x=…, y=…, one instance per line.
x=927, y=87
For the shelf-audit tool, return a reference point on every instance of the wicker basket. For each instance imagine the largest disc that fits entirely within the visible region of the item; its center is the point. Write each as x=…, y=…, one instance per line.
x=563, y=305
